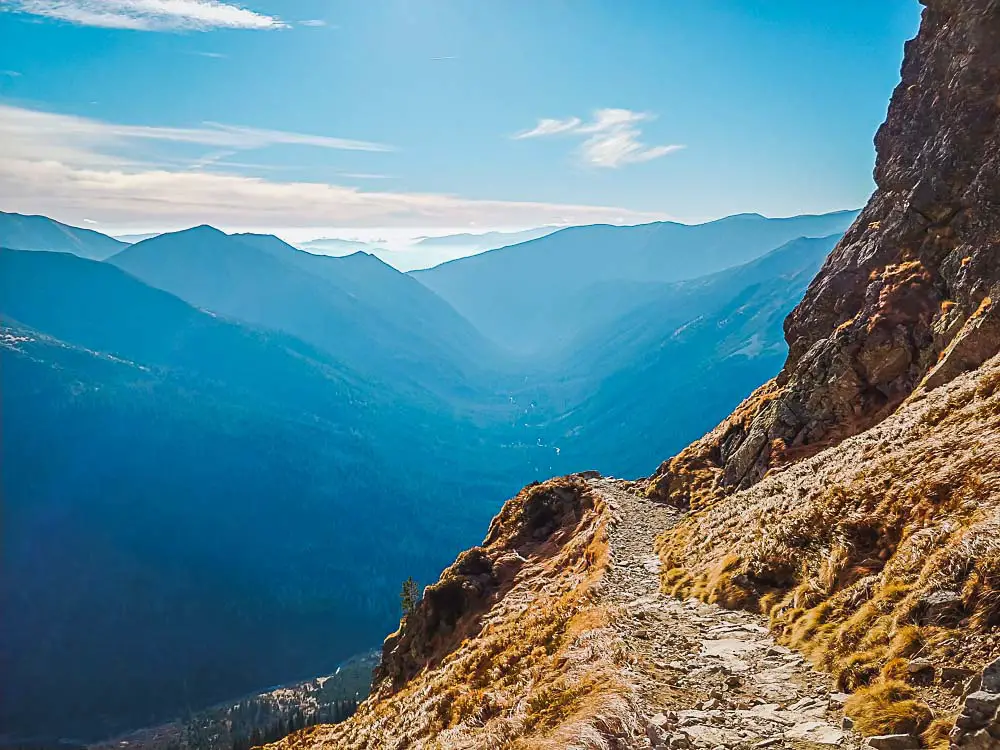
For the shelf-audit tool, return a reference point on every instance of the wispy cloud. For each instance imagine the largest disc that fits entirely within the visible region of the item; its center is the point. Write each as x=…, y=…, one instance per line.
x=148, y=15
x=73, y=132
x=75, y=168
x=10, y=73
x=551, y=127
x=366, y=176
x=315, y=22
x=213, y=55
x=612, y=137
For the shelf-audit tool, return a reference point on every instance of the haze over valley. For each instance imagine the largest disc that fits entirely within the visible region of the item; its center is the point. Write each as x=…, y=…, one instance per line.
x=241, y=396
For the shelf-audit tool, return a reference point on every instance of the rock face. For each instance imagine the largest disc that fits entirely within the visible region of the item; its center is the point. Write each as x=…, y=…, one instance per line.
x=978, y=727
x=915, y=280
x=450, y=609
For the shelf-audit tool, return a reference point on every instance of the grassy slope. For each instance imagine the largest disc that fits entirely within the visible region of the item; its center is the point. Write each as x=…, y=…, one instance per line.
x=509, y=648
x=887, y=550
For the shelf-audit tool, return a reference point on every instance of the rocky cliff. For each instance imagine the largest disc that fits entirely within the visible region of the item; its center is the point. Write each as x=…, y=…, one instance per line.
x=849, y=509
x=909, y=294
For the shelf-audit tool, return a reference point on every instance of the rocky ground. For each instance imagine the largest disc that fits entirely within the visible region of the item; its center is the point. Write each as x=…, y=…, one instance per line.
x=707, y=677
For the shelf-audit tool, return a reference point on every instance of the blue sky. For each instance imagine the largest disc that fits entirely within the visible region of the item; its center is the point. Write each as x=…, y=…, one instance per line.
x=440, y=113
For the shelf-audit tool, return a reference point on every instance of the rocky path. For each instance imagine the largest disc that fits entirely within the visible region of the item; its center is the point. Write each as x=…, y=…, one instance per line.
x=707, y=677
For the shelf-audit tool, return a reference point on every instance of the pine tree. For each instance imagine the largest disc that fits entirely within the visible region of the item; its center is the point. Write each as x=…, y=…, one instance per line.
x=409, y=597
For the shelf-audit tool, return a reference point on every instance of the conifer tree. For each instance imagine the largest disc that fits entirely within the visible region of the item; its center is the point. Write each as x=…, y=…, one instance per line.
x=409, y=597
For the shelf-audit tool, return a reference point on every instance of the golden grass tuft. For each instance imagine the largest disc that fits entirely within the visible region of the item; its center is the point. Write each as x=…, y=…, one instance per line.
x=858, y=670
x=935, y=737
x=890, y=707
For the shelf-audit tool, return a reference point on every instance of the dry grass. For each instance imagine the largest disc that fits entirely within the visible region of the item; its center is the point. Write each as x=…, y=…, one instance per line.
x=529, y=669
x=877, y=551
x=891, y=707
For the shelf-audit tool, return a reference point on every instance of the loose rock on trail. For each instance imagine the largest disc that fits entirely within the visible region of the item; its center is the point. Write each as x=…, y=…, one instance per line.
x=706, y=677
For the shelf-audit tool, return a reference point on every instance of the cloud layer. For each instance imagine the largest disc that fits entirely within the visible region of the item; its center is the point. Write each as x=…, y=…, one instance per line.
x=74, y=168
x=149, y=15
x=612, y=137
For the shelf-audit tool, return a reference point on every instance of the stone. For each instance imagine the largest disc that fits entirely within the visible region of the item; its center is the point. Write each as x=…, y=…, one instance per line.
x=691, y=718
x=893, y=742
x=916, y=666
x=847, y=723
x=837, y=700
x=991, y=677
x=660, y=720
x=678, y=742
x=772, y=712
x=981, y=740
x=768, y=742
x=942, y=608
x=710, y=705
x=706, y=736
x=974, y=685
x=655, y=735
x=814, y=735
x=983, y=704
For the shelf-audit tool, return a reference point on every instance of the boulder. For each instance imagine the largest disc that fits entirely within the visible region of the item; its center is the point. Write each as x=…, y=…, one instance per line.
x=982, y=704
x=991, y=677
x=814, y=735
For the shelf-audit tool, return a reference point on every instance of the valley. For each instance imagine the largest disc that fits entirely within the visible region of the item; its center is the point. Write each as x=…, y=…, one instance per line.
x=294, y=434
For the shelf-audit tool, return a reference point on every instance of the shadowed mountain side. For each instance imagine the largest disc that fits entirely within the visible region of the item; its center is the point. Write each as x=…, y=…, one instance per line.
x=358, y=309
x=524, y=296
x=421, y=316
x=22, y=232
x=635, y=388
x=194, y=508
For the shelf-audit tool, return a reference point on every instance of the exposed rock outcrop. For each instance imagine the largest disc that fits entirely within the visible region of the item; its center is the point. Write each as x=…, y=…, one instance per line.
x=910, y=281
x=978, y=726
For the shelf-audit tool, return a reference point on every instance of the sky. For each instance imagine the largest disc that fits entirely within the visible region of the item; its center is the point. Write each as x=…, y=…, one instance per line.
x=312, y=117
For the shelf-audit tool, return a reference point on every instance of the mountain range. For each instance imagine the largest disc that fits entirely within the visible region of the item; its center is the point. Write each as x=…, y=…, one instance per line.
x=357, y=308
x=530, y=297
x=264, y=442
x=477, y=243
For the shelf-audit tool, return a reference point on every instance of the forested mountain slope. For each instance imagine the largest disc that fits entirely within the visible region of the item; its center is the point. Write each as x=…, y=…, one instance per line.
x=636, y=386
x=194, y=508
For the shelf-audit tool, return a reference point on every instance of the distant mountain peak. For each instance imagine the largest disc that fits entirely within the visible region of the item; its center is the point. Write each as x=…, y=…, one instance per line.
x=33, y=232
x=203, y=229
